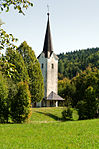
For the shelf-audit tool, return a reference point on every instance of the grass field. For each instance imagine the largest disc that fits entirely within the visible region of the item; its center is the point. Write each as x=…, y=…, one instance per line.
x=46, y=131
x=46, y=114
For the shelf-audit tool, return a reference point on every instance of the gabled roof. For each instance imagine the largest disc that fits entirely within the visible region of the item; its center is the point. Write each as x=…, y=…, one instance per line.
x=54, y=96
x=47, y=42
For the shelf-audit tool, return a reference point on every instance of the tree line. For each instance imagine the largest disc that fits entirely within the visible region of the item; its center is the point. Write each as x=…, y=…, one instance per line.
x=72, y=63
x=79, y=82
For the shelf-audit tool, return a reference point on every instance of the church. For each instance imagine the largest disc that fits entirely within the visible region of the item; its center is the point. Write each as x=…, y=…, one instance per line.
x=49, y=66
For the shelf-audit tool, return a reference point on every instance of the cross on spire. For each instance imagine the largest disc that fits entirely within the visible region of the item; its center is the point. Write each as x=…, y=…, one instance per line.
x=48, y=8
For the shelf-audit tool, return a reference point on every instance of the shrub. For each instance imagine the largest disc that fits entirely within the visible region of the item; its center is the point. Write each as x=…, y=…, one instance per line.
x=21, y=104
x=67, y=114
x=70, y=114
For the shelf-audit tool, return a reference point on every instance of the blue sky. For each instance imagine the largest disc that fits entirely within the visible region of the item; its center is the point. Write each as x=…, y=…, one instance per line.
x=74, y=24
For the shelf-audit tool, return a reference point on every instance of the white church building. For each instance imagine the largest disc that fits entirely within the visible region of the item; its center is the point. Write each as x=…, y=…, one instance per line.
x=49, y=66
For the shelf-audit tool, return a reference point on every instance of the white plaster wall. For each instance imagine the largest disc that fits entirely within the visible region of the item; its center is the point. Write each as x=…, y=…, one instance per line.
x=52, y=75
x=43, y=60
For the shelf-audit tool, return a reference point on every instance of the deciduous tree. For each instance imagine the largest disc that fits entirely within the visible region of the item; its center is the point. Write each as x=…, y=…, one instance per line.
x=86, y=98
x=7, y=40
x=17, y=4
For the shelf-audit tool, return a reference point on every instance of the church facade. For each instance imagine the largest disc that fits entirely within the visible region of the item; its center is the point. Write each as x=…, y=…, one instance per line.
x=49, y=66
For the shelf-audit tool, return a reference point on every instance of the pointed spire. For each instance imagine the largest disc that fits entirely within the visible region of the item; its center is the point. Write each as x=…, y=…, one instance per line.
x=47, y=49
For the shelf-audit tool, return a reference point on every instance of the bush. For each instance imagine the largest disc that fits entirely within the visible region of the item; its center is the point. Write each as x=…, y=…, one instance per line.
x=70, y=114
x=67, y=114
x=21, y=104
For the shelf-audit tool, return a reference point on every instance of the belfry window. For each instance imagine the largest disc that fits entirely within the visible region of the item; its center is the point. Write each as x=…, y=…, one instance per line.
x=42, y=65
x=52, y=66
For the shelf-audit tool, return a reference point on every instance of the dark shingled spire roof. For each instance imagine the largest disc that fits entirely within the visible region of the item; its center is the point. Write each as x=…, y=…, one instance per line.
x=47, y=42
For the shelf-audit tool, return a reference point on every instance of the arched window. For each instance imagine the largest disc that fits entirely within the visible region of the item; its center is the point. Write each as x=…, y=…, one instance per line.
x=52, y=66
x=42, y=65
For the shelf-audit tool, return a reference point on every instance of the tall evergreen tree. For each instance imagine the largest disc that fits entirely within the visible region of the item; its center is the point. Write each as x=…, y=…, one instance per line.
x=21, y=103
x=15, y=58
x=36, y=79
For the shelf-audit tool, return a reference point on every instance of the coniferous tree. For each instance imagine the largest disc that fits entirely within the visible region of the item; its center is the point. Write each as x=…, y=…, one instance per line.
x=21, y=103
x=33, y=67
x=72, y=63
x=21, y=73
x=61, y=67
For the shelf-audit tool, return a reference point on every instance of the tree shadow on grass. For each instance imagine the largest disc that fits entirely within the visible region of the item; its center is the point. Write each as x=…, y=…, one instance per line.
x=52, y=116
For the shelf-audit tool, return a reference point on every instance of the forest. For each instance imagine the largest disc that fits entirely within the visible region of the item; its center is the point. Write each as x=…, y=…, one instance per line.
x=79, y=82
x=72, y=63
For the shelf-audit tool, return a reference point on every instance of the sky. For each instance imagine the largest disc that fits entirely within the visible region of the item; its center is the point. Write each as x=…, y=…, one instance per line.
x=74, y=24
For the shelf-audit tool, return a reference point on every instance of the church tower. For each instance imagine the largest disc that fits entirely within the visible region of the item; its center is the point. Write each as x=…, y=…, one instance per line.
x=49, y=66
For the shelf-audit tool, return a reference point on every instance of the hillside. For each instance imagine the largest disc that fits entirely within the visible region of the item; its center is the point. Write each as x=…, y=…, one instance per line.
x=72, y=63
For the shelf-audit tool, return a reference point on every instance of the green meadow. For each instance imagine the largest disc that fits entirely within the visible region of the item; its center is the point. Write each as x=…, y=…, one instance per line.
x=46, y=130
